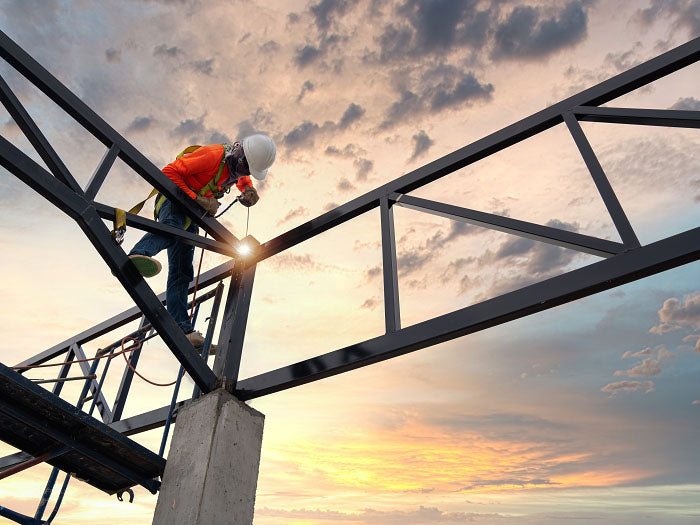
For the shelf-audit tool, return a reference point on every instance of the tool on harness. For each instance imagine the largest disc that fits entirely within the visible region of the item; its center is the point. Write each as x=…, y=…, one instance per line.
x=119, y=228
x=128, y=491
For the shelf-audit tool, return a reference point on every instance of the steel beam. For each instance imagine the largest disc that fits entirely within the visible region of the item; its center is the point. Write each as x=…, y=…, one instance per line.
x=142, y=422
x=617, y=214
x=608, y=273
x=392, y=310
x=100, y=174
x=555, y=236
x=644, y=117
x=93, y=123
x=142, y=223
x=233, y=325
x=102, y=405
x=606, y=91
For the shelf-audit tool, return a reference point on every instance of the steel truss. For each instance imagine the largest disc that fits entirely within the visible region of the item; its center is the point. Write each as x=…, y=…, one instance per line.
x=622, y=262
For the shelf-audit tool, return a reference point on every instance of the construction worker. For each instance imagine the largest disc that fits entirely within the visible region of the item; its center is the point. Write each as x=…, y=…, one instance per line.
x=205, y=174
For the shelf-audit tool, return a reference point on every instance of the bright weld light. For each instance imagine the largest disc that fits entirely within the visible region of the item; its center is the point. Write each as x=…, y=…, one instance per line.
x=243, y=248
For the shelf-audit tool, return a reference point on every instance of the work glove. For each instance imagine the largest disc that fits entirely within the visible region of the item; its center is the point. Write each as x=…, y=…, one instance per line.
x=208, y=203
x=249, y=197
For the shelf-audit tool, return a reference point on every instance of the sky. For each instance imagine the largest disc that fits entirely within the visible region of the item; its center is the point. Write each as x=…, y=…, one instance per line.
x=589, y=411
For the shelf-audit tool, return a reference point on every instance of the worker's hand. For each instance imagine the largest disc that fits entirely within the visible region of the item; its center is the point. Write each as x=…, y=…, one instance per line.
x=208, y=203
x=249, y=197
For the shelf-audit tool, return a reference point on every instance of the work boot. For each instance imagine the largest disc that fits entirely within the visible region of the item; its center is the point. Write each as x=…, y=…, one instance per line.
x=147, y=266
x=196, y=339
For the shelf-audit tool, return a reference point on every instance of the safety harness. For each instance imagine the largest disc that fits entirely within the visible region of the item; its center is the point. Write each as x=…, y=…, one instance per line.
x=213, y=185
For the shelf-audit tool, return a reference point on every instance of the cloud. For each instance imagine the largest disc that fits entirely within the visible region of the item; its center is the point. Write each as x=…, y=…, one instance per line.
x=508, y=481
x=439, y=88
x=684, y=13
x=643, y=352
x=290, y=261
x=432, y=27
x=353, y=113
x=206, y=67
x=302, y=135
x=113, y=55
x=687, y=104
x=140, y=124
x=420, y=516
x=344, y=185
x=301, y=211
x=364, y=167
x=270, y=47
x=163, y=50
x=189, y=127
x=305, y=88
x=306, y=55
x=693, y=338
x=324, y=11
x=421, y=144
x=675, y=315
x=630, y=386
x=696, y=402
x=647, y=368
x=374, y=272
x=371, y=303
x=530, y=32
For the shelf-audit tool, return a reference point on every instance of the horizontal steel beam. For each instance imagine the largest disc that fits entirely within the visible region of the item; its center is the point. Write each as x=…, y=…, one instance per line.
x=606, y=91
x=621, y=269
x=14, y=459
x=643, y=117
x=92, y=122
x=107, y=212
x=555, y=236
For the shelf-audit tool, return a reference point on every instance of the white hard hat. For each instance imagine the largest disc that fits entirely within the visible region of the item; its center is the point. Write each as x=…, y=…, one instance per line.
x=260, y=151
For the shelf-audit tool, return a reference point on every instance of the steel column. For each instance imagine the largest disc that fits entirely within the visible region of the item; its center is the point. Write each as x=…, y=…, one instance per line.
x=102, y=404
x=392, y=311
x=233, y=325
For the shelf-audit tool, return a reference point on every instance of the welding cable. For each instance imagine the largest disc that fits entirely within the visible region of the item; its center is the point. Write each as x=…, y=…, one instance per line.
x=134, y=370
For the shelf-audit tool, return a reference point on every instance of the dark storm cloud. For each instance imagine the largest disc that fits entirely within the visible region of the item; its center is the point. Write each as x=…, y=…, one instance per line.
x=140, y=124
x=440, y=87
x=324, y=11
x=306, y=55
x=305, y=88
x=220, y=138
x=687, y=104
x=163, y=50
x=353, y=113
x=434, y=26
x=416, y=258
x=421, y=144
x=532, y=32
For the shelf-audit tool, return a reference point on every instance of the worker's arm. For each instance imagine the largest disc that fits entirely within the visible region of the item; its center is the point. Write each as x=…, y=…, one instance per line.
x=203, y=160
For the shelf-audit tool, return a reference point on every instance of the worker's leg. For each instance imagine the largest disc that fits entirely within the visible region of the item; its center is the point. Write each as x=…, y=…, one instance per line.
x=180, y=274
x=151, y=243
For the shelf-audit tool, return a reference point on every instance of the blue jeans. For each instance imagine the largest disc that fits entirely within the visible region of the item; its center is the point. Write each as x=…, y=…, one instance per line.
x=180, y=257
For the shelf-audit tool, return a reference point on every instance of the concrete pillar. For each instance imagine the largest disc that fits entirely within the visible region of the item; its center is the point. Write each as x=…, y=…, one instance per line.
x=212, y=469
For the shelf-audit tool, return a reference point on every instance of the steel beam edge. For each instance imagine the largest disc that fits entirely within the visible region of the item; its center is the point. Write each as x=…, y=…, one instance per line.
x=638, y=116
x=626, y=267
x=601, y=93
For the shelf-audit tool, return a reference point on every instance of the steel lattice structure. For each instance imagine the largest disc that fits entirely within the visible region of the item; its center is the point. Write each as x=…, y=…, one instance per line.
x=622, y=262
